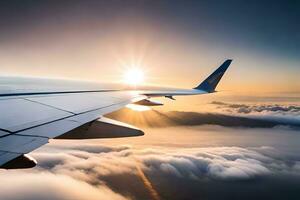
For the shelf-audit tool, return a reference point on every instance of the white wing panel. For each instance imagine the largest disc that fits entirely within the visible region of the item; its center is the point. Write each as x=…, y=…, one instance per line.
x=53, y=129
x=18, y=114
x=83, y=102
x=20, y=143
x=60, y=127
x=13, y=146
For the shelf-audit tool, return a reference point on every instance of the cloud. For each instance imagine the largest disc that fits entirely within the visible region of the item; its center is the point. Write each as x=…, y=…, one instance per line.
x=49, y=186
x=94, y=171
x=224, y=163
x=104, y=170
x=154, y=172
x=282, y=114
x=155, y=118
x=250, y=108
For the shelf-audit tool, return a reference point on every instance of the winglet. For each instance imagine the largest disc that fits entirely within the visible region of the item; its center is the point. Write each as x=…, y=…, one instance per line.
x=211, y=82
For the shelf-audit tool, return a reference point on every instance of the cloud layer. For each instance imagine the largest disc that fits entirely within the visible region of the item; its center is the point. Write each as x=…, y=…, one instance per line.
x=155, y=169
x=224, y=163
x=93, y=171
x=225, y=114
x=259, y=108
x=49, y=186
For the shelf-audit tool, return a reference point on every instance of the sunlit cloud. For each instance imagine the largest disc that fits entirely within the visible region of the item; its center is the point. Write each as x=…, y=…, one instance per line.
x=213, y=162
x=153, y=166
x=93, y=168
x=45, y=185
x=284, y=113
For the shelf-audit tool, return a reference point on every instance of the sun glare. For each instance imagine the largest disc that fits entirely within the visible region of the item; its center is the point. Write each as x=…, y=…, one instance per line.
x=139, y=108
x=134, y=76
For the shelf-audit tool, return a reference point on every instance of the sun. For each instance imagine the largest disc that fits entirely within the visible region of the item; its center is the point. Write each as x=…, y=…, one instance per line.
x=134, y=76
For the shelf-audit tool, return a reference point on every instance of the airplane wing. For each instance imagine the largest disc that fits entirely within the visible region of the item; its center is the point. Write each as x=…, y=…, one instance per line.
x=29, y=118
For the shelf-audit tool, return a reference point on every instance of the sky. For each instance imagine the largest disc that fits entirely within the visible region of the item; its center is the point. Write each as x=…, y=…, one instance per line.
x=239, y=143
x=175, y=43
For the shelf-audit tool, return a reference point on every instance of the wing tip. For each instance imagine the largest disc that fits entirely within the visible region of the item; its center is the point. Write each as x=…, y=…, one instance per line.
x=211, y=82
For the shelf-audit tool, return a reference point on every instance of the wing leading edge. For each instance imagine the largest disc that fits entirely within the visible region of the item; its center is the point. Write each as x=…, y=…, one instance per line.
x=29, y=119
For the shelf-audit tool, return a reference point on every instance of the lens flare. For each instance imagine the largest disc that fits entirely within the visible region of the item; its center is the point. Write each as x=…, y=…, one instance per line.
x=134, y=76
x=139, y=108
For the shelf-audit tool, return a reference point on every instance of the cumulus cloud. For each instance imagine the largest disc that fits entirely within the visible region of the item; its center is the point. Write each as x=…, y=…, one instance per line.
x=137, y=173
x=250, y=108
x=280, y=114
x=99, y=170
x=94, y=171
x=224, y=163
x=49, y=186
